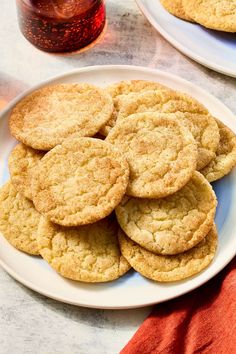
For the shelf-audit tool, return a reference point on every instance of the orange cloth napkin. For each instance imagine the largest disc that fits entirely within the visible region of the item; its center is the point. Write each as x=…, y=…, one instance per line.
x=203, y=321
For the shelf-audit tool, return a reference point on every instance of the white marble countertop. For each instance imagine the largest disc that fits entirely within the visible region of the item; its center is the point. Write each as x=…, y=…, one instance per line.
x=29, y=322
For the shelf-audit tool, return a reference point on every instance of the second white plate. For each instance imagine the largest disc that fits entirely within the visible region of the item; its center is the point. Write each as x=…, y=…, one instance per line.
x=214, y=49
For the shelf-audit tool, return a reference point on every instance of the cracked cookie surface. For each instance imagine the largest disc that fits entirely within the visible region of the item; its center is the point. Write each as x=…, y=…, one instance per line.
x=46, y=117
x=225, y=159
x=169, y=268
x=175, y=7
x=161, y=152
x=215, y=14
x=22, y=162
x=173, y=224
x=18, y=220
x=80, y=181
x=119, y=93
x=194, y=116
x=87, y=253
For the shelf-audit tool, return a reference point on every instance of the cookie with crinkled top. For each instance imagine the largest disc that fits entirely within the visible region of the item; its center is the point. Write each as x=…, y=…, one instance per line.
x=161, y=152
x=123, y=89
x=170, y=268
x=22, y=162
x=18, y=220
x=175, y=7
x=46, y=117
x=80, y=181
x=225, y=159
x=88, y=253
x=161, y=101
x=194, y=116
x=214, y=14
x=173, y=224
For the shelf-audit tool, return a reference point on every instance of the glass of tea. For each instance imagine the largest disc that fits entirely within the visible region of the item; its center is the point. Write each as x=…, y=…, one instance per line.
x=61, y=25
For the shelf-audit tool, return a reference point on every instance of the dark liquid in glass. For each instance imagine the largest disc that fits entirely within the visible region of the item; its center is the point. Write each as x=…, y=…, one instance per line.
x=61, y=25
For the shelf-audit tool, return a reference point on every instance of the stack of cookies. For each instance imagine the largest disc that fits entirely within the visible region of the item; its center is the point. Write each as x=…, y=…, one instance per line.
x=214, y=14
x=108, y=179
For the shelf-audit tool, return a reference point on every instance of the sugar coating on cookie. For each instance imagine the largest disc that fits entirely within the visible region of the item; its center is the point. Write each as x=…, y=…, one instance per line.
x=214, y=14
x=161, y=152
x=173, y=224
x=170, y=268
x=206, y=134
x=194, y=116
x=22, y=162
x=87, y=253
x=175, y=7
x=161, y=101
x=80, y=181
x=46, y=117
x=123, y=89
x=18, y=220
x=225, y=159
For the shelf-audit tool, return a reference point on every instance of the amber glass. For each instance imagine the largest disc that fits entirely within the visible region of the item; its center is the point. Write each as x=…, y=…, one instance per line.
x=61, y=25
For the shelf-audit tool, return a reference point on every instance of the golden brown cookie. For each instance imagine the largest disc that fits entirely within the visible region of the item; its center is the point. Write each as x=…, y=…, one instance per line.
x=47, y=116
x=173, y=224
x=18, y=220
x=214, y=14
x=22, y=162
x=225, y=159
x=161, y=152
x=87, y=253
x=194, y=116
x=161, y=101
x=80, y=181
x=121, y=90
x=175, y=7
x=169, y=268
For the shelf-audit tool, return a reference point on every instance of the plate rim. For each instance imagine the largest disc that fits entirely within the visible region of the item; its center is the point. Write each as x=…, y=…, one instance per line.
x=180, y=47
x=20, y=96
x=53, y=296
x=30, y=284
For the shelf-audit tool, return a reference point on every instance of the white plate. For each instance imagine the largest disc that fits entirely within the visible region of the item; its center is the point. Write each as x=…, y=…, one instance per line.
x=132, y=290
x=214, y=49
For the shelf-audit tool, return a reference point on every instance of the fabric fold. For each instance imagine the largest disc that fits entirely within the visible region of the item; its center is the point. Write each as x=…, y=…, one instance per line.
x=203, y=321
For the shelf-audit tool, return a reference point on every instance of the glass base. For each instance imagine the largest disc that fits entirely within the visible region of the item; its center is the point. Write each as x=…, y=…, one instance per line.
x=51, y=32
x=81, y=50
